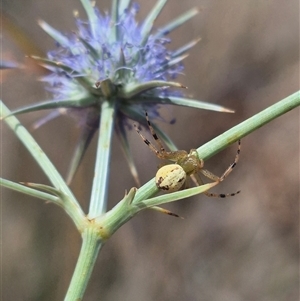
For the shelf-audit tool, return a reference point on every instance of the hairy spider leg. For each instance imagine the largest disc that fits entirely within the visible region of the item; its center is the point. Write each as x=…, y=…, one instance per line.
x=232, y=165
x=197, y=179
x=168, y=155
x=162, y=153
x=157, y=140
x=213, y=177
x=149, y=144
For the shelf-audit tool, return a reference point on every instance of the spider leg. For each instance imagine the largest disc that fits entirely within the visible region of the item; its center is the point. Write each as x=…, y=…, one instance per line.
x=165, y=211
x=198, y=181
x=213, y=177
x=157, y=140
x=232, y=165
x=148, y=143
x=221, y=195
x=161, y=153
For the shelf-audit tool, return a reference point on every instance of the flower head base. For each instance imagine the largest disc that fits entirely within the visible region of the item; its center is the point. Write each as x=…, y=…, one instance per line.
x=113, y=58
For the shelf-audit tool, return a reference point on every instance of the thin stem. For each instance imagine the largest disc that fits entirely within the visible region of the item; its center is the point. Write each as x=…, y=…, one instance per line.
x=248, y=126
x=100, y=184
x=29, y=191
x=91, y=245
x=37, y=153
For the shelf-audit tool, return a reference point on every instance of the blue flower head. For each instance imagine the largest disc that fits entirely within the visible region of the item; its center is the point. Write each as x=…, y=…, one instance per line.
x=113, y=57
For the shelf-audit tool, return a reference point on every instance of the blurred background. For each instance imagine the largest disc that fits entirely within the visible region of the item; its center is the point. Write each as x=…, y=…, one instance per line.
x=244, y=248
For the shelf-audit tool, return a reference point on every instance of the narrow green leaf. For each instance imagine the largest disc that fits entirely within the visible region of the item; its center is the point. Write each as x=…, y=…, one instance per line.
x=90, y=11
x=176, y=23
x=131, y=90
x=193, y=103
x=44, y=188
x=182, y=50
x=81, y=79
x=40, y=122
x=55, y=104
x=171, y=63
x=180, y=101
x=148, y=23
x=37, y=153
x=121, y=132
x=55, y=34
x=175, y=196
x=86, y=135
x=29, y=191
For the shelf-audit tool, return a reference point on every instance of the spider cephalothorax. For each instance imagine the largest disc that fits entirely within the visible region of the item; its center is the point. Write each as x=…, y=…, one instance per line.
x=172, y=177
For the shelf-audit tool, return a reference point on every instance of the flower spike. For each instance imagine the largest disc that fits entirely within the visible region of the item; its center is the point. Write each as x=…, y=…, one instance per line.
x=176, y=23
x=55, y=34
x=148, y=23
x=92, y=16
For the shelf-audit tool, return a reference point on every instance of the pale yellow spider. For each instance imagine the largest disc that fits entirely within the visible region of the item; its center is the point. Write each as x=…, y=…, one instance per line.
x=172, y=177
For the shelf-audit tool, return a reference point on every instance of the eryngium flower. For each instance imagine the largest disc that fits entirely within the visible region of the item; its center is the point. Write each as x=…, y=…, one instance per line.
x=114, y=58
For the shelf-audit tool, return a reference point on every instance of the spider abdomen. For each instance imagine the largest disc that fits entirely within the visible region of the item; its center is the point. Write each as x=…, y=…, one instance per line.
x=170, y=177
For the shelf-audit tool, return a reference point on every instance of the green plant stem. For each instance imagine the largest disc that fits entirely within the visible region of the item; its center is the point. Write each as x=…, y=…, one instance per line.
x=67, y=199
x=98, y=201
x=91, y=245
x=248, y=126
x=29, y=191
x=36, y=152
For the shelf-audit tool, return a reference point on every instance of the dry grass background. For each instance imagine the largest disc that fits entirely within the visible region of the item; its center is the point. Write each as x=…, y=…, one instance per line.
x=244, y=248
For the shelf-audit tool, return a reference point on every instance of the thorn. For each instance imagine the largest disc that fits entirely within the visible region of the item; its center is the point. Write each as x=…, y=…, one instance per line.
x=182, y=86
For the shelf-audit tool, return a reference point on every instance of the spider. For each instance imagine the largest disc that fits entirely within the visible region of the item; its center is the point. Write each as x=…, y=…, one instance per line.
x=172, y=177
